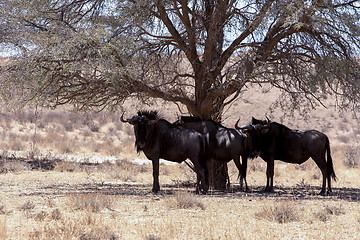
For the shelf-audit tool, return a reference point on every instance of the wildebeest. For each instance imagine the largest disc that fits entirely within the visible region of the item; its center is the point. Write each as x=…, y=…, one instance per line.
x=158, y=138
x=274, y=141
x=223, y=144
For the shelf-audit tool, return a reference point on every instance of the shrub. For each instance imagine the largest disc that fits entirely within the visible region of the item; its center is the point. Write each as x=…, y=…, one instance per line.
x=185, y=200
x=281, y=212
x=29, y=205
x=65, y=166
x=85, y=228
x=56, y=214
x=325, y=213
x=3, y=230
x=40, y=216
x=2, y=209
x=352, y=155
x=93, y=202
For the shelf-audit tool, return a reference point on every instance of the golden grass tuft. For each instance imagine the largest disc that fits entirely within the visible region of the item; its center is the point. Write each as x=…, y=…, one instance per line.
x=27, y=206
x=87, y=227
x=3, y=227
x=325, y=213
x=281, y=212
x=94, y=202
x=184, y=200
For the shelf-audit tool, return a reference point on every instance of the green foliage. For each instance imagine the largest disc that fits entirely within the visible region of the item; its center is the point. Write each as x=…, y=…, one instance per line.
x=96, y=54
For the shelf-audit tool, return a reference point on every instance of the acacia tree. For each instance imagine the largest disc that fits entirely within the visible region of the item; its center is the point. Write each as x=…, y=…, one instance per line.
x=201, y=54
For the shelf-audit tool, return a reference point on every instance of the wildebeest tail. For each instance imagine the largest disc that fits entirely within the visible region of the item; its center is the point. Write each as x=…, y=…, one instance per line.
x=329, y=162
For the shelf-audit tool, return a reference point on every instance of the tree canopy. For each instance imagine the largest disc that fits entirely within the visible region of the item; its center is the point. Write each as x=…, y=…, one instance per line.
x=201, y=54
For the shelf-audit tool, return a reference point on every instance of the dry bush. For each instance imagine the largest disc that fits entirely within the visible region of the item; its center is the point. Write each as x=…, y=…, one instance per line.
x=87, y=227
x=281, y=212
x=65, y=166
x=3, y=229
x=184, y=200
x=126, y=170
x=7, y=165
x=105, y=147
x=56, y=214
x=303, y=184
x=40, y=216
x=27, y=206
x=16, y=143
x=352, y=155
x=256, y=165
x=328, y=211
x=2, y=209
x=152, y=237
x=94, y=127
x=68, y=126
x=94, y=202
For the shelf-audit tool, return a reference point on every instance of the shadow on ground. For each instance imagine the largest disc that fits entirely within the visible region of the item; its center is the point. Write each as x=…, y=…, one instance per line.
x=256, y=192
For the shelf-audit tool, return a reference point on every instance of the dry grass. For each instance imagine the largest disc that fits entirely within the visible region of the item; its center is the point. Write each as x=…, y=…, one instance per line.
x=184, y=200
x=74, y=205
x=93, y=202
x=281, y=212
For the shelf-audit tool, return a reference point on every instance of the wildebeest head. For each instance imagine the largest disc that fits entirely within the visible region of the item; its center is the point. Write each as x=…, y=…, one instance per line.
x=255, y=121
x=255, y=133
x=143, y=126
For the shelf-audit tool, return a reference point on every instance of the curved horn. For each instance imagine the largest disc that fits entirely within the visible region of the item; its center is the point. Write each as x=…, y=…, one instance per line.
x=236, y=124
x=268, y=120
x=122, y=118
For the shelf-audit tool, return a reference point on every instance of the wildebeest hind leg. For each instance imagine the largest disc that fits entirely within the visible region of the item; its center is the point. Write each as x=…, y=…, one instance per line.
x=270, y=176
x=201, y=178
x=321, y=163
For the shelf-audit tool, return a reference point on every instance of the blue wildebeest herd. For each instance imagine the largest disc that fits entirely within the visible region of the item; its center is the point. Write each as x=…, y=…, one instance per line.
x=200, y=140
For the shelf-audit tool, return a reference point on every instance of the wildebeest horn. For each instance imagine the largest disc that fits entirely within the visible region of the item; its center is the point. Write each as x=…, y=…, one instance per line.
x=122, y=118
x=132, y=120
x=236, y=124
x=268, y=120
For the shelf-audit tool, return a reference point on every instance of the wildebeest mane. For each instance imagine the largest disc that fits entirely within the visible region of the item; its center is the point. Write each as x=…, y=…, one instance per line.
x=152, y=115
x=280, y=126
x=191, y=119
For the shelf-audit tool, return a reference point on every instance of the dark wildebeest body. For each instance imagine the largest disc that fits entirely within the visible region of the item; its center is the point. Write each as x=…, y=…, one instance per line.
x=274, y=141
x=223, y=144
x=158, y=138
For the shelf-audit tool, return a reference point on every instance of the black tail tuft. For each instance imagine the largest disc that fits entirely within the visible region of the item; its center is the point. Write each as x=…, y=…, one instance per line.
x=329, y=162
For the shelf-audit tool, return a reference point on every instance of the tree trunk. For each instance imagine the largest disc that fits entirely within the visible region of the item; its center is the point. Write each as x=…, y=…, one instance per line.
x=217, y=170
x=218, y=175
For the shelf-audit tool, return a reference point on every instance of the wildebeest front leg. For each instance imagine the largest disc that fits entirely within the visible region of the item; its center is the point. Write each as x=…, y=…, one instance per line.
x=156, y=185
x=241, y=173
x=244, y=167
x=269, y=175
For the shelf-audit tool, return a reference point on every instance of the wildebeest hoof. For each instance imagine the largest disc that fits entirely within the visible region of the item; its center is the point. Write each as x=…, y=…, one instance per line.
x=203, y=192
